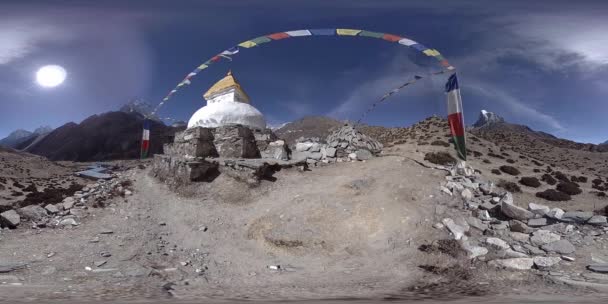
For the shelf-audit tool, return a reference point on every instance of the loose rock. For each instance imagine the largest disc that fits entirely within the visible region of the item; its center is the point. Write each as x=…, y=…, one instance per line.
x=457, y=230
x=10, y=219
x=542, y=237
x=515, y=263
x=561, y=247
x=546, y=262
x=515, y=212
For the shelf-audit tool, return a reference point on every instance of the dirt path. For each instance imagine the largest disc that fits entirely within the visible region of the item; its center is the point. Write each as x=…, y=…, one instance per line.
x=332, y=233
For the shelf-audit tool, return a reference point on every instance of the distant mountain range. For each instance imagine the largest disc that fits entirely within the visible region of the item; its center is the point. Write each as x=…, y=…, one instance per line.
x=112, y=135
x=22, y=138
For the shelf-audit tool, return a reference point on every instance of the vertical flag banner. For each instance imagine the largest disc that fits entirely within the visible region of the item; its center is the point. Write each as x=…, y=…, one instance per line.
x=145, y=139
x=455, y=118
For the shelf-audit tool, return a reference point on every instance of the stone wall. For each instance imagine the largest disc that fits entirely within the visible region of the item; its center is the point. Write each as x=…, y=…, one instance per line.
x=180, y=171
x=235, y=142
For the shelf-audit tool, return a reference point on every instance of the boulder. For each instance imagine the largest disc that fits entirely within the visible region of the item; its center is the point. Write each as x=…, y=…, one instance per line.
x=10, y=219
x=476, y=223
x=537, y=222
x=330, y=152
x=466, y=194
x=576, y=217
x=599, y=220
x=496, y=242
x=542, y=237
x=510, y=253
x=363, y=154
x=52, y=209
x=473, y=251
x=515, y=212
x=68, y=203
x=507, y=198
x=546, y=262
x=486, y=188
x=303, y=146
x=520, y=237
x=601, y=268
x=561, y=247
x=277, y=150
x=32, y=213
x=514, y=263
x=538, y=209
x=457, y=230
x=555, y=213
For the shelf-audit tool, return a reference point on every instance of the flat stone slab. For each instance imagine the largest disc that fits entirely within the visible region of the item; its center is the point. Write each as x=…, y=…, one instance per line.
x=601, y=268
x=4, y=268
x=561, y=247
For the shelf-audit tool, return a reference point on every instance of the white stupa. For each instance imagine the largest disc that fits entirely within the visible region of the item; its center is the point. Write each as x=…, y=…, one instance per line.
x=227, y=104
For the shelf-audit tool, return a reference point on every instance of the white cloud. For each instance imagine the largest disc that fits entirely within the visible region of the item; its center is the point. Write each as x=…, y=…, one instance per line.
x=21, y=37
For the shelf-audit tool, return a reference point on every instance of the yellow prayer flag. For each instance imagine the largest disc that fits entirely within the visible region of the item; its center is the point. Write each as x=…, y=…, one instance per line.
x=247, y=44
x=431, y=52
x=348, y=32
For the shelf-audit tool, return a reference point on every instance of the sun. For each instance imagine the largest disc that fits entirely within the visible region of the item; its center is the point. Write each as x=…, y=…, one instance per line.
x=50, y=76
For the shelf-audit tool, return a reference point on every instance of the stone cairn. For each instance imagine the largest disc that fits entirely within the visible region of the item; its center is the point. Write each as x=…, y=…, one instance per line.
x=343, y=144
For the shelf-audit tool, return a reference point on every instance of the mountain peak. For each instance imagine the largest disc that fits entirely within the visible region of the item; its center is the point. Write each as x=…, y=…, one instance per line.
x=140, y=108
x=487, y=118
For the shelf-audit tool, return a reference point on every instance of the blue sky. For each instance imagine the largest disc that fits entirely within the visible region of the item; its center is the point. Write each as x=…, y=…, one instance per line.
x=542, y=63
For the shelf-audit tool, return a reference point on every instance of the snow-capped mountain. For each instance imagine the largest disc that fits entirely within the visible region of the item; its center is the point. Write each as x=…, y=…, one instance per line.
x=487, y=118
x=18, y=137
x=138, y=106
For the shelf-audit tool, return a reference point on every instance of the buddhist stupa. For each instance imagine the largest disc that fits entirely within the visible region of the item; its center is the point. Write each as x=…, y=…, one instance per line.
x=227, y=104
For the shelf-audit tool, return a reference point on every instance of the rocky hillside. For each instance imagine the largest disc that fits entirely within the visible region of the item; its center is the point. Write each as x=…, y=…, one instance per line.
x=112, y=135
x=492, y=127
x=309, y=126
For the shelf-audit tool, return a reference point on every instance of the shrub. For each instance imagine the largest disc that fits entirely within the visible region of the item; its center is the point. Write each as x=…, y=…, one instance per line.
x=596, y=181
x=477, y=154
x=537, y=163
x=491, y=154
x=510, y=161
x=487, y=161
x=553, y=195
x=536, y=170
x=548, y=179
x=578, y=179
x=509, y=170
x=530, y=181
x=569, y=188
x=440, y=143
x=440, y=158
x=601, y=194
x=561, y=176
x=509, y=186
x=496, y=171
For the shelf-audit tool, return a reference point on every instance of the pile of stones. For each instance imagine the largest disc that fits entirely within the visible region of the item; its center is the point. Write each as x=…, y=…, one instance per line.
x=343, y=144
x=68, y=212
x=491, y=227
